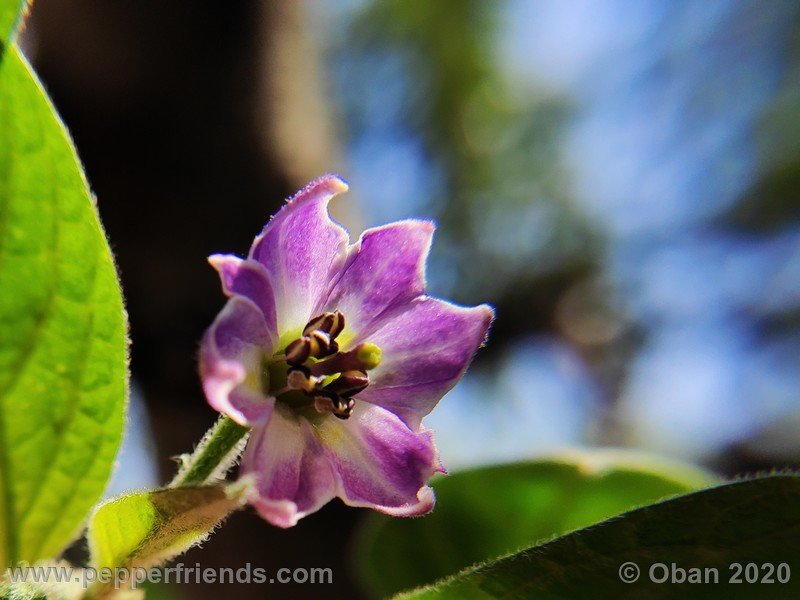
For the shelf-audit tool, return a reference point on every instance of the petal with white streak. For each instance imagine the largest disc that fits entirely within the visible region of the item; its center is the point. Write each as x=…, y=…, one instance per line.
x=291, y=470
x=426, y=349
x=379, y=463
x=302, y=249
x=231, y=356
x=384, y=270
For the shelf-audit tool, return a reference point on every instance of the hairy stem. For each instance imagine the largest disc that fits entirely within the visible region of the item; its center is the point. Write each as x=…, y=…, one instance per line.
x=215, y=454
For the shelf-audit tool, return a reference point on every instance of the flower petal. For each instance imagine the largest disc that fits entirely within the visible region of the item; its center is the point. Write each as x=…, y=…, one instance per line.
x=301, y=247
x=231, y=354
x=384, y=269
x=292, y=473
x=426, y=349
x=379, y=463
x=249, y=279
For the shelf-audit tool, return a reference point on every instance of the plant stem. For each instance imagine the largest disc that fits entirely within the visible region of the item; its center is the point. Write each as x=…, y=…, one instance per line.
x=215, y=454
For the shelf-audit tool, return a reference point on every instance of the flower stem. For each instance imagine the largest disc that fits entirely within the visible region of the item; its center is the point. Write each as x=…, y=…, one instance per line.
x=215, y=454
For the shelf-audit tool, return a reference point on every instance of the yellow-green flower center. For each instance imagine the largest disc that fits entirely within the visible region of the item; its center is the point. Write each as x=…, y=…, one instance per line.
x=313, y=373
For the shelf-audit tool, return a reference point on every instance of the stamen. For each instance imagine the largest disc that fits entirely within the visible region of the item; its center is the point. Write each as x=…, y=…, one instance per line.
x=349, y=383
x=299, y=378
x=363, y=357
x=317, y=344
x=346, y=372
x=298, y=351
x=331, y=323
x=341, y=408
x=338, y=325
x=345, y=410
x=321, y=344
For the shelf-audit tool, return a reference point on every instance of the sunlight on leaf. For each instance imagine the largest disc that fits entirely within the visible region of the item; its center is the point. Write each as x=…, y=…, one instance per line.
x=145, y=529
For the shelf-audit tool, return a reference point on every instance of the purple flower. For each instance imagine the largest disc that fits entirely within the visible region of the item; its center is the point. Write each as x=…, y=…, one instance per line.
x=333, y=354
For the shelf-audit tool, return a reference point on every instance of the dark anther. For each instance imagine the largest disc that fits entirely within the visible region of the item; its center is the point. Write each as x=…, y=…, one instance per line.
x=327, y=401
x=298, y=351
x=317, y=344
x=331, y=323
x=321, y=323
x=349, y=383
x=321, y=344
x=338, y=325
x=333, y=348
x=348, y=370
x=345, y=409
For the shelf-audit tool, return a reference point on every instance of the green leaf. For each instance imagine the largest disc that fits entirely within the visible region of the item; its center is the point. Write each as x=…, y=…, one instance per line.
x=145, y=529
x=754, y=522
x=489, y=512
x=63, y=370
x=10, y=11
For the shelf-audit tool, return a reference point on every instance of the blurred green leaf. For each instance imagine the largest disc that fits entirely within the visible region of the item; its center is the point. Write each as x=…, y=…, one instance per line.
x=489, y=512
x=9, y=11
x=145, y=529
x=754, y=521
x=62, y=328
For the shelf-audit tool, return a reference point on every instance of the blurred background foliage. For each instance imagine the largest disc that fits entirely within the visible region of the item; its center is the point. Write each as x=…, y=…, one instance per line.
x=620, y=179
